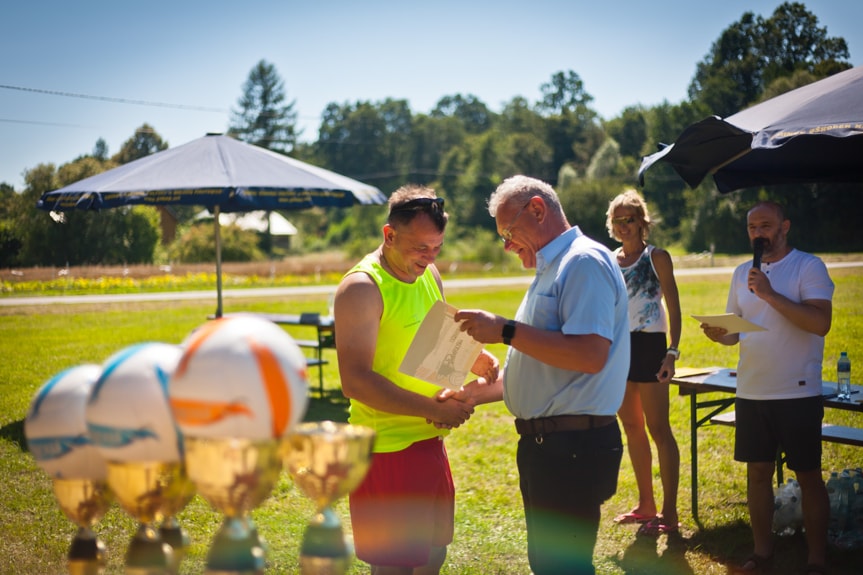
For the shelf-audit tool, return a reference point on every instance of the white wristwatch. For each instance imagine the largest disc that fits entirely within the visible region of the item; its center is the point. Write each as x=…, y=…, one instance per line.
x=674, y=352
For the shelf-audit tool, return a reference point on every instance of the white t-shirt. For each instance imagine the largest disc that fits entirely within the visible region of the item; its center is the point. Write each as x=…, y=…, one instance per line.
x=783, y=362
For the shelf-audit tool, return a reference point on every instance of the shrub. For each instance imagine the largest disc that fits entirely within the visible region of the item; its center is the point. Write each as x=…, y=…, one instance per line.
x=198, y=245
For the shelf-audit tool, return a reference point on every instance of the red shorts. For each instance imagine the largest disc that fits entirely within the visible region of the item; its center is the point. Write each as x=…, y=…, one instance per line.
x=404, y=506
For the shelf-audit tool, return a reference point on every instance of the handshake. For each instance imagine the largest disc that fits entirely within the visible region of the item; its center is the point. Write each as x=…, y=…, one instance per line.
x=455, y=407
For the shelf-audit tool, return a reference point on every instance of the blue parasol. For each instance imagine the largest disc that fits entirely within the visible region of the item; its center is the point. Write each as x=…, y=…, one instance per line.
x=220, y=173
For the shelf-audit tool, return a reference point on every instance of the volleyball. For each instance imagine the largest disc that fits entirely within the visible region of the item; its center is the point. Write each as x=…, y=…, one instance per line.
x=239, y=377
x=56, y=429
x=128, y=416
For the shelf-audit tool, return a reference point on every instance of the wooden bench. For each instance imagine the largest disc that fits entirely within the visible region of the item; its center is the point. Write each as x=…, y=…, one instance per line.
x=326, y=339
x=829, y=432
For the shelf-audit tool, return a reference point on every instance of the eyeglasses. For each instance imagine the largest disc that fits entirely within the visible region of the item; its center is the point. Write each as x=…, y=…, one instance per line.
x=427, y=204
x=622, y=221
x=506, y=234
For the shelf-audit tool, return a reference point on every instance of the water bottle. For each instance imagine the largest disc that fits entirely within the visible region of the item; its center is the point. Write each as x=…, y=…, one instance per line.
x=796, y=501
x=843, y=377
x=856, y=508
x=846, y=537
x=834, y=527
x=787, y=511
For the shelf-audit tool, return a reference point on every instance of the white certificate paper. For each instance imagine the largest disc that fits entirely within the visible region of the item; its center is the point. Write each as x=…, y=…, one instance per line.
x=733, y=323
x=440, y=352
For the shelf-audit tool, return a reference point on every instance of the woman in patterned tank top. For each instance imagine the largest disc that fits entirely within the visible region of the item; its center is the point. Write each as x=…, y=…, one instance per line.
x=649, y=276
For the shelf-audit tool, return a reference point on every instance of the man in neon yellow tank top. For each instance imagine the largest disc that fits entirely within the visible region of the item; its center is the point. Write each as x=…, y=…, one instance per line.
x=402, y=514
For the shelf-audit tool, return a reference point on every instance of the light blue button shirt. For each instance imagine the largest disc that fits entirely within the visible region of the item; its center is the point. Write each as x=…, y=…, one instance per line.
x=578, y=290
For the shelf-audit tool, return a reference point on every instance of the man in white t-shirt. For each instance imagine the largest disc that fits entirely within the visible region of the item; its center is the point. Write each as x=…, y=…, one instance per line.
x=779, y=402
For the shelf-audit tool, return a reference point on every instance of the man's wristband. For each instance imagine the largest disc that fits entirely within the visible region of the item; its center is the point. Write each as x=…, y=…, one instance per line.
x=508, y=332
x=673, y=352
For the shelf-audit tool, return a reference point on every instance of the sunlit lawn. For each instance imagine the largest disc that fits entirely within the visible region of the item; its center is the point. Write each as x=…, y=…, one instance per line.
x=37, y=342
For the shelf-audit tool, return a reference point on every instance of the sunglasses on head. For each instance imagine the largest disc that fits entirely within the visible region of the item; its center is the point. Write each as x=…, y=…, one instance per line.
x=425, y=204
x=622, y=221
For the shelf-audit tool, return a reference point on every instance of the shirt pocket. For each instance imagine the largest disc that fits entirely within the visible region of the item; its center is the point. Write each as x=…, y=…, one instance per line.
x=546, y=313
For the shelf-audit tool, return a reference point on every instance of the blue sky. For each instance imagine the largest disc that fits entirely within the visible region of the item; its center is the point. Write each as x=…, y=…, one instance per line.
x=191, y=58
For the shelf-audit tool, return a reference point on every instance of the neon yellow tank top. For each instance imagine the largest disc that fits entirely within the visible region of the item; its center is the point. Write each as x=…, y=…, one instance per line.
x=405, y=306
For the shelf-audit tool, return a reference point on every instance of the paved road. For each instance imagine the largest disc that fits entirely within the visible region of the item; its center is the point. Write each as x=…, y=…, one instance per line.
x=205, y=295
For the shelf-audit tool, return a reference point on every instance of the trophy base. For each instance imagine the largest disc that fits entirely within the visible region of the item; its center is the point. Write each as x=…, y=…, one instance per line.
x=148, y=554
x=177, y=537
x=81, y=567
x=321, y=540
x=86, y=554
x=324, y=565
x=325, y=549
x=236, y=550
x=86, y=547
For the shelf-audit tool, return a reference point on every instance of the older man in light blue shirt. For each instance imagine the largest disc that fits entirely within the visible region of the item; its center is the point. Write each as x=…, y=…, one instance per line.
x=573, y=297
x=565, y=373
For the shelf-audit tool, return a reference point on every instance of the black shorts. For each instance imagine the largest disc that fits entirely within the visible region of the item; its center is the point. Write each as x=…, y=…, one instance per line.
x=792, y=425
x=646, y=355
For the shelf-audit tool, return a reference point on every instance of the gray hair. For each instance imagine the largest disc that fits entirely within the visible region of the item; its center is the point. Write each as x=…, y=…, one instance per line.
x=521, y=189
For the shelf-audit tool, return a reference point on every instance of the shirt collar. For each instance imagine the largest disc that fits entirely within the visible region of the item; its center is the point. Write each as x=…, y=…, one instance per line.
x=554, y=248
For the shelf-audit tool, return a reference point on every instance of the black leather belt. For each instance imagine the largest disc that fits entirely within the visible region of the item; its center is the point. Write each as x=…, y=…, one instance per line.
x=541, y=425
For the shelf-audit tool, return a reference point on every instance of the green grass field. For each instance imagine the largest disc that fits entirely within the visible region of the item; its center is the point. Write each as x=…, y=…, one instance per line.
x=38, y=342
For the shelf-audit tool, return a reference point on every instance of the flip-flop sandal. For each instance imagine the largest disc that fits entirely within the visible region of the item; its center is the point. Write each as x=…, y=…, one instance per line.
x=657, y=526
x=633, y=517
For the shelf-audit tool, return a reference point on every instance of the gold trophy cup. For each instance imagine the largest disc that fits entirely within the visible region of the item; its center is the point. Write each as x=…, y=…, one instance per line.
x=327, y=460
x=84, y=502
x=56, y=432
x=240, y=387
x=130, y=422
x=234, y=475
x=150, y=492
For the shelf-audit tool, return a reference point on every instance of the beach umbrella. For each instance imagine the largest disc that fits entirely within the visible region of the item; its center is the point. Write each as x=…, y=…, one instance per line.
x=808, y=135
x=217, y=172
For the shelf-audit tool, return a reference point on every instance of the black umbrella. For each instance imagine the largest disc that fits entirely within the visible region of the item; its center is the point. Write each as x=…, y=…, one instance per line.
x=218, y=172
x=811, y=134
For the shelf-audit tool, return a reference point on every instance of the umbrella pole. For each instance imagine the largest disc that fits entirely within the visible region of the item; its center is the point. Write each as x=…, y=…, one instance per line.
x=218, y=264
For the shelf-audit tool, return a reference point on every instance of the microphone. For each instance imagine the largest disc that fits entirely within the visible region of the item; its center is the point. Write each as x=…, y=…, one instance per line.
x=757, y=250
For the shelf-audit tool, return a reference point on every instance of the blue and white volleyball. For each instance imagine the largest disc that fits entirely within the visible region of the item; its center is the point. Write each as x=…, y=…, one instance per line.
x=128, y=416
x=242, y=377
x=56, y=428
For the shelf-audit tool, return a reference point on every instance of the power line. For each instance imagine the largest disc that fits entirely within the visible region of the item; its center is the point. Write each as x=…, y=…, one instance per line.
x=115, y=100
x=38, y=123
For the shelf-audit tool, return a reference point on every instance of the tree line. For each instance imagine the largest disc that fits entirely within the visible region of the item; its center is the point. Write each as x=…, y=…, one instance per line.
x=463, y=149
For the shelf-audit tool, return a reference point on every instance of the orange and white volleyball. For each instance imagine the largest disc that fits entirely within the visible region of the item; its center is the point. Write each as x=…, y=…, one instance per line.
x=56, y=429
x=239, y=377
x=128, y=416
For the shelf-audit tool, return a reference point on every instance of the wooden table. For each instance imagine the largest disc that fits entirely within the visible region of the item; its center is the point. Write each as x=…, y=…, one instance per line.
x=696, y=381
